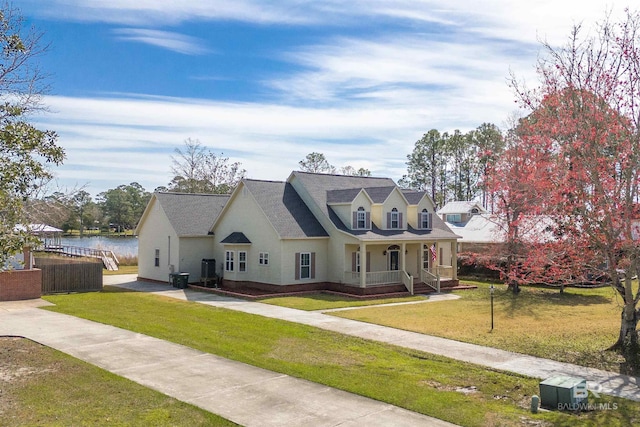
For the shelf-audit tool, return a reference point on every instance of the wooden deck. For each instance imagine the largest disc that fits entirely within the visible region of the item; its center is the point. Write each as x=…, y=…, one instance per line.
x=108, y=258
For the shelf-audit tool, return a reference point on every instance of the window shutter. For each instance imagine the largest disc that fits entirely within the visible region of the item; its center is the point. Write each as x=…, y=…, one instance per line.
x=430, y=215
x=367, y=219
x=399, y=219
x=297, y=266
x=419, y=219
x=388, y=219
x=313, y=265
x=354, y=224
x=368, y=261
x=353, y=261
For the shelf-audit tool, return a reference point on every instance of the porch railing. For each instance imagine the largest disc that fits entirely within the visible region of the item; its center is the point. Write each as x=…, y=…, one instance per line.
x=430, y=279
x=374, y=277
x=407, y=281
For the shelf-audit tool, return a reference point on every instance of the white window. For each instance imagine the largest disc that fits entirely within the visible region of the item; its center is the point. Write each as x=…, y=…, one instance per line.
x=228, y=265
x=395, y=219
x=424, y=219
x=358, y=262
x=361, y=221
x=156, y=260
x=305, y=265
x=242, y=261
x=454, y=217
x=264, y=258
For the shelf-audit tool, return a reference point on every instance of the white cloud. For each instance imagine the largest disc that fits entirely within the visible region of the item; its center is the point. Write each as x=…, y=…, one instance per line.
x=164, y=39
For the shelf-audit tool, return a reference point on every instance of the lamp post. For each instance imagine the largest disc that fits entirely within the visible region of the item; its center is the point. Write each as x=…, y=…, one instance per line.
x=491, y=289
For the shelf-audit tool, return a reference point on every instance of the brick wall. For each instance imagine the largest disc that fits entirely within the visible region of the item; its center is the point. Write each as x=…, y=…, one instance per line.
x=20, y=284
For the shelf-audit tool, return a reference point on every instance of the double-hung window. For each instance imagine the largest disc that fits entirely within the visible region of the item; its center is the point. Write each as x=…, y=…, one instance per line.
x=263, y=259
x=361, y=218
x=425, y=222
x=156, y=259
x=229, y=257
x=395, y=218
x=305, y=265
x=242, y=261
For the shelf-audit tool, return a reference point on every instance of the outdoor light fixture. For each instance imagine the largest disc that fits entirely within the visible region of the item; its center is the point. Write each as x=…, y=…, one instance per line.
x=384, y=252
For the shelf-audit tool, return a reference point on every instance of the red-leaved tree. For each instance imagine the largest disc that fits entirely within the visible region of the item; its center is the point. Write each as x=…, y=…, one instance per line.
x=581, y=140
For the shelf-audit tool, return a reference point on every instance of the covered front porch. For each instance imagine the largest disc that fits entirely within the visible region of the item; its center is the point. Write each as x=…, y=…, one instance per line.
x=413, y=263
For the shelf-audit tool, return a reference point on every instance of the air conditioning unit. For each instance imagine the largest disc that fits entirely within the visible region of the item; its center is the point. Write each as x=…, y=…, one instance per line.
x=564, y=393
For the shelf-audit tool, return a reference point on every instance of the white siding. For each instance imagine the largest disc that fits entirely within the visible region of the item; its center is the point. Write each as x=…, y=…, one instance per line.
x=243, y=214
x=156, y=233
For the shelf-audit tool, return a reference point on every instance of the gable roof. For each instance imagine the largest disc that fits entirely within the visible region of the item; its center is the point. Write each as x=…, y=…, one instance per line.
x=190, y=215
x=413, y=197
x=285, y=210
x=318, y=185
x=379, y=194
x=461, y=207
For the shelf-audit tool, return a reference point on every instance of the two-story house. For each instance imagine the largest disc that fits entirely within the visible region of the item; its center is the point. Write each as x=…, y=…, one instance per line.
x=317, y=231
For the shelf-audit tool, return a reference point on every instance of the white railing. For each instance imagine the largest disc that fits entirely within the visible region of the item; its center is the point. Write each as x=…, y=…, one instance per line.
x=407, y=281
x=383, y=277
x=430, y=279
x=374, y=277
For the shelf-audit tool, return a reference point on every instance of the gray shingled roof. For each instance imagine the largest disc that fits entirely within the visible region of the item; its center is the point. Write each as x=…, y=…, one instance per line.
x=413, y=196
x=342, y=196
x=379, y=194
x=319, y=186
x=191, y=214
x=284, y=208
x=236, y=237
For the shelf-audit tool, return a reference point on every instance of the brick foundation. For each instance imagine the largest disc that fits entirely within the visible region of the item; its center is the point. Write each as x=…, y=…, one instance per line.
x=20, y=284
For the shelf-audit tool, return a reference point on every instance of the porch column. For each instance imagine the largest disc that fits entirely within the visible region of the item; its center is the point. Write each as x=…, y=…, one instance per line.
x=363, y=265
x=454, y=259
x=403, y=263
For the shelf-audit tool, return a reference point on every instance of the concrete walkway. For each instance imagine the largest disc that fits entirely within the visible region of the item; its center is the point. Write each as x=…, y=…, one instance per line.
x=599, y=381
x=242, y=393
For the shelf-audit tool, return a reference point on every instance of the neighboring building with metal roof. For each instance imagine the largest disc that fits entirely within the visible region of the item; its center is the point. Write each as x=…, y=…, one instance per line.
x=460, y=212
x=312, y=231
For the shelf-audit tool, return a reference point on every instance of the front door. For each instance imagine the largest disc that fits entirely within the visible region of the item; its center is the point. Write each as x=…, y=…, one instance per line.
x=394, y=260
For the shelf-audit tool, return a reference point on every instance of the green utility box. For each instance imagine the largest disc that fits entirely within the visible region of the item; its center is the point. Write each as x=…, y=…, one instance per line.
x=180, y=280
x=564, y=393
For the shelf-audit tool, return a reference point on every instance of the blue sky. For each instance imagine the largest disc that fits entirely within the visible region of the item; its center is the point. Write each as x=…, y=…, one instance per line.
x=265, y=83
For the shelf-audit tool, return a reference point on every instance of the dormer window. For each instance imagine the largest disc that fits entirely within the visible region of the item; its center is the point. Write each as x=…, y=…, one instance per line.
x=425, y=220
x=361, y=219
x=394, y=218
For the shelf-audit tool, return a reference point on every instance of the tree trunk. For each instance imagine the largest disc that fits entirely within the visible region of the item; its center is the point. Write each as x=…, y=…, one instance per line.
x=628, y=337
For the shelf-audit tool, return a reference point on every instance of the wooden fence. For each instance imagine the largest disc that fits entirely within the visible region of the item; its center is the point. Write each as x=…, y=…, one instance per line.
x=66, y=275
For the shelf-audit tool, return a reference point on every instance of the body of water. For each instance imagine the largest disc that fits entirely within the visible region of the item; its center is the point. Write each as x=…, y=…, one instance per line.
x=121, y=246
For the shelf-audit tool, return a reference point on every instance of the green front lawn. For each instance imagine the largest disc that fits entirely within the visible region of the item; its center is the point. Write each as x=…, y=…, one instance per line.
x=421, y=382
x=43, y=387
x=326, y=301
x=574, y=327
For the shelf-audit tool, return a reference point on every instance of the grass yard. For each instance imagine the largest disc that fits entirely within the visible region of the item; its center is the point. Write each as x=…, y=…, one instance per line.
x=458, y=392
x=122, y=269
x=574, y=327
x=326, y=301
x=41, y=386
